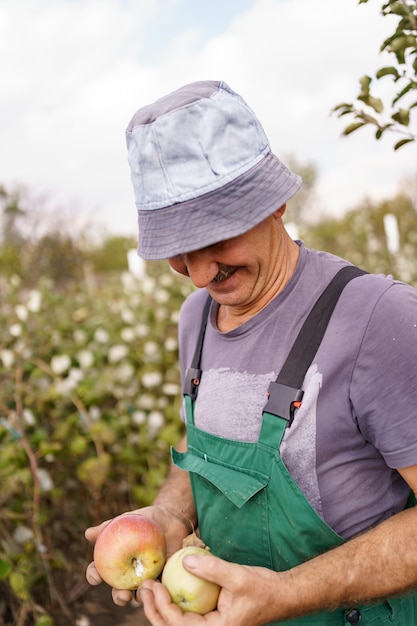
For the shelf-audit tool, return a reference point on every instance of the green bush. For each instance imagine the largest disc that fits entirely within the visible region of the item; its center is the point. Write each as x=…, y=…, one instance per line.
x=89, y=399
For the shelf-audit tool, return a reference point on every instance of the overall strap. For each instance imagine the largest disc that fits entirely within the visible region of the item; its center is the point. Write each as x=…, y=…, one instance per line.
x=193, y=373
x=285, y=393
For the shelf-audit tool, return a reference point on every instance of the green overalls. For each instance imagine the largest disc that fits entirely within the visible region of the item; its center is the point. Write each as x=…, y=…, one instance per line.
x=252, y=512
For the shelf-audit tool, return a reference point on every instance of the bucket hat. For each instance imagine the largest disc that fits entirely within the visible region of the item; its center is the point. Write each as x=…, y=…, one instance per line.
x=202, y=170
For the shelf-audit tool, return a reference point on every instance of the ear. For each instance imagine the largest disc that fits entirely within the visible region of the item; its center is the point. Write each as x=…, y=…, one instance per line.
x=279, y=212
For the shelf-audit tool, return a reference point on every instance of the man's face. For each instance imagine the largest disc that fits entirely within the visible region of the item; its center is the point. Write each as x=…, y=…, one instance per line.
x=240, y=272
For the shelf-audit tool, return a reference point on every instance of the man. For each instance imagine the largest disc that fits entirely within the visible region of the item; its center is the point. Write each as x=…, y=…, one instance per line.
x=301, y=488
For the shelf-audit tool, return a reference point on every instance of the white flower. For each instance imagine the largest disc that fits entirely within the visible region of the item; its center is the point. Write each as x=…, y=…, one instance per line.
x=76, y=375
x=127, y=316
x=101, y=335
x=60, y=363
x=171, y=389
x=85, y=358
x=21, y=312
x=94, y=413
x=151, y=379
x=34, y=301
x=146, y=401
x=161, y=296
x=45, y=480
x=148, y=285
x=141, y=330
x=166, y=280
x=171, y=344
x=15, y=330
x=127, y=334
x=128, y=281
x=28, y=417
x=137, y=266
x=80, y=336
x=70, y=383
x=117, y=353
x=124, y=372
x=139, y=417
x=155, y=421
x=7, y=357
x=22, y=534
x=15, y=280
x=151, y=348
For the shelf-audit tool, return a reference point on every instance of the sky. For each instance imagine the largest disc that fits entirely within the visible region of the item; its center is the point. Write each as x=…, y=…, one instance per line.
x=73, y=72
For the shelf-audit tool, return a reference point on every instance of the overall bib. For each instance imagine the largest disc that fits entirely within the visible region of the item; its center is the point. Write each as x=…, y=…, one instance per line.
x=250, y=510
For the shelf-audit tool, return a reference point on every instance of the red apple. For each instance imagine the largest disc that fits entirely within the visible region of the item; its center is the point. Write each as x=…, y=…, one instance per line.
x=130, y=549
x=188, y=591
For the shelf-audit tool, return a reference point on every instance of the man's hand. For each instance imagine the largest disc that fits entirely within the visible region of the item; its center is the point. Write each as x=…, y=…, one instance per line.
x=245, y=596
x=174, y=527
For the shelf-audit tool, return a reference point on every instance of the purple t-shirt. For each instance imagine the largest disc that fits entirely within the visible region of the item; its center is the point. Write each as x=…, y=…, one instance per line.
x=358, y=419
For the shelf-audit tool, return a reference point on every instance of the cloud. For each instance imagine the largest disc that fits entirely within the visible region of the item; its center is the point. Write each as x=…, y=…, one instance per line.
x=74, y=71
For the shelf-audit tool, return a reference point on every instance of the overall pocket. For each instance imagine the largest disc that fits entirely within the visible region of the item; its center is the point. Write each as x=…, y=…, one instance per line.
x=232, y=506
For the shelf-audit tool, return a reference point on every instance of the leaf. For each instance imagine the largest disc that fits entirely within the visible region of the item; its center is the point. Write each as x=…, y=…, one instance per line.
x=365, y=82
x=94, y=471
x=193, y=540
x=402, y=143
x=398, y=9
x=20, y=585
x=44, y=620
x=353, y=127
x=385, y=71
x=346, y=106
x=400, y=42
x=404, y=91
x=376, y=104
x=402, y=117
x=5, y=569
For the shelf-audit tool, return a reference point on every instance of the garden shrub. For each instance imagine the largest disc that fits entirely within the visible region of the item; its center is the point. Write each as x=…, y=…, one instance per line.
x=89, y=400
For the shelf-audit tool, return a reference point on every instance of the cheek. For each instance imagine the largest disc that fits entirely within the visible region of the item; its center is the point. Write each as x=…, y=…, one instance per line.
x=178, y=265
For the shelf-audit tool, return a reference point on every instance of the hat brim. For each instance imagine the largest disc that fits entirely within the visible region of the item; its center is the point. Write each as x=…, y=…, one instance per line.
x=222, y=214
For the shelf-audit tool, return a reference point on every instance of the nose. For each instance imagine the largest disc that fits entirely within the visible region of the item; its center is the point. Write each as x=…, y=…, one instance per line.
x=201, y=267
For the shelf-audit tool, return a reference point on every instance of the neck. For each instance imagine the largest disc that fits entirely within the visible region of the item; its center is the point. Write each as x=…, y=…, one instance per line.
x=230, y=317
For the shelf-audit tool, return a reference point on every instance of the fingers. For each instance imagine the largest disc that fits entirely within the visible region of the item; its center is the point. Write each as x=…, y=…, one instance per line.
x=121, y=597
x=92, y=575
x=158, y=607
x=93, y=532
x=209, y=567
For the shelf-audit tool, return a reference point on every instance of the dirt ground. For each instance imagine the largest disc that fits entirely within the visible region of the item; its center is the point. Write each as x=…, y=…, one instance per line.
x=98, y=609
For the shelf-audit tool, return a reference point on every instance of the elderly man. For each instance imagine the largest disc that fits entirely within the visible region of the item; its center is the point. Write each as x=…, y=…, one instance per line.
x=300, y=461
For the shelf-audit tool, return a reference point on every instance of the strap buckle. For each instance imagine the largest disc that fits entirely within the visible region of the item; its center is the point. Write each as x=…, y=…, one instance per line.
x=191, y=382
x=283, y=400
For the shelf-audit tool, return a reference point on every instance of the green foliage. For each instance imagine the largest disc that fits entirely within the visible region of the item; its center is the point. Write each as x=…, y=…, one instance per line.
x=35, y=244
x=402, y=44
x=89, y=393
x=360, y=236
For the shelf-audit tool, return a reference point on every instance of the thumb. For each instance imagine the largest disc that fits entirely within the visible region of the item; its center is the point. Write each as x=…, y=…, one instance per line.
x=93, y=532
x=209, y=567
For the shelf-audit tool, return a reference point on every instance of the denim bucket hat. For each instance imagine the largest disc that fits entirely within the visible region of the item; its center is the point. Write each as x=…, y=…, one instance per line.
x=202, y=170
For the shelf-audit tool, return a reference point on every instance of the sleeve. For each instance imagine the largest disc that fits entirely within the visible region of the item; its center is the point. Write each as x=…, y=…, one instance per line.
x=384, y=383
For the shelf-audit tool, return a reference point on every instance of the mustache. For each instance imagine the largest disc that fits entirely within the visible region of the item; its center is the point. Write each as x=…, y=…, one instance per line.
x=224, y=272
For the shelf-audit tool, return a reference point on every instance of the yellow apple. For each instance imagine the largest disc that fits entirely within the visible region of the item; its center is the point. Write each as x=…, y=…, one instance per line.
x=188, y=591
x=129, y=550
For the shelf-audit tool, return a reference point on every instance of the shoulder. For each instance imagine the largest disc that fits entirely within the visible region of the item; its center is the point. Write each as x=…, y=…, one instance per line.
x=192, y=308
x=190, y=319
